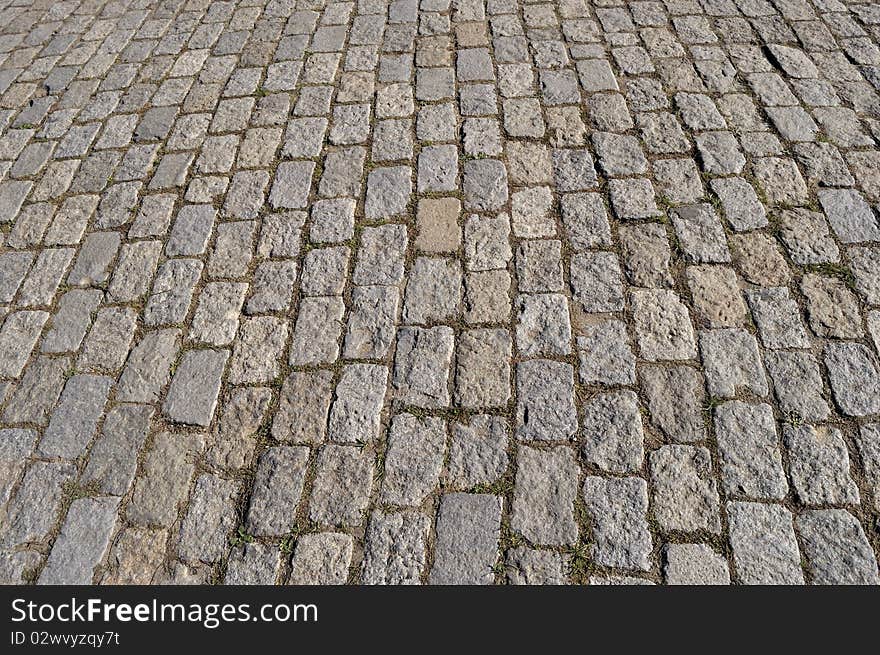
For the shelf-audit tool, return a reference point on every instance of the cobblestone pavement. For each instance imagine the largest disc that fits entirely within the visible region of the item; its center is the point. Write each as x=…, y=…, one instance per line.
x=481, y=291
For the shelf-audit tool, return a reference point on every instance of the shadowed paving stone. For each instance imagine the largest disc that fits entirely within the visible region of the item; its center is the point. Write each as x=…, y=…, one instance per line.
x=209, y=521
x=868, y=442
x=675, y=401
x=836, y=548
x=413, y=459
x=84, y=538
x=751, y=464
x=468, y=529
x=694, y=564
x=254, y=564
x=477, y=451
x=148, y=368
x=321, y=559
x=854, y=377
x=164, y=480
x=612, y=433
x=765, y=550
x=234, y=439
x=74, y=421
x=606, y=355
x=778, y=318
x=395, y=548
x=617, y=509
x=277, y=489
x=485, y=185
x=482, y=375
x=136, y=556
x=663, y=326
x=732, y=363
x=545, y=401
x=37, y=391
x=33, y=511
x=422, y=364
x=316, y=333
x=192, y=396
x=433, y=290
x=543, y=500
x=535, y=567
x=18, y=336
x=819, y=465
x=685, y=494
x=113, y=458
x=356, y=410
x=342, y=486
x=303, y=407
x=798, y=384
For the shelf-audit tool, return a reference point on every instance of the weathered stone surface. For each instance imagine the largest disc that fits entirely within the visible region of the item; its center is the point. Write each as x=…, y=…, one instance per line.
x=482, y=376
x=468, y=529
x=685, y=493
x=342, y=485
x=422, y=364
x=192, y=396
x=321, y=559
x=694, y=564
x=836, y=548
x=277, y=489
x=765, y=550
x=82, y=543
x=360, y=393
x=855, y=379
x=617, y=508
x=396, y=546
x=819, y=465
x=413, y=459
x=545, y=401
x=209, y=521
x=543, y=503
x=751, y=464
x=611, y=431
x=675, y=401
x=732, y=363
x=663, y=325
